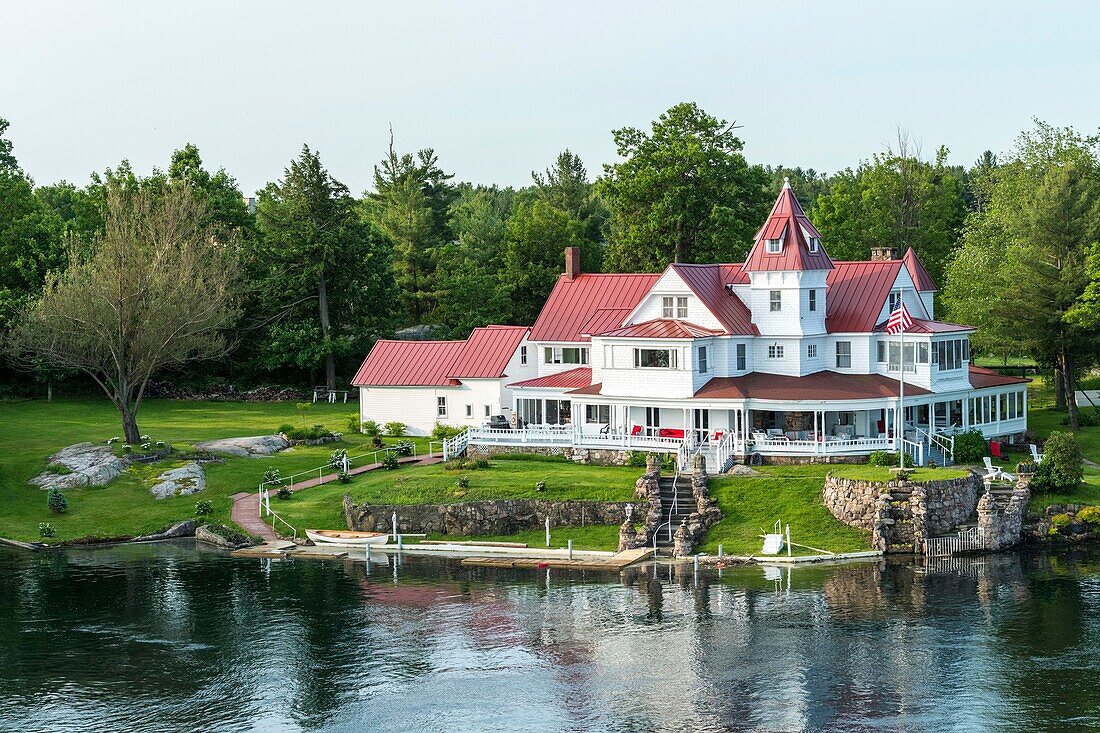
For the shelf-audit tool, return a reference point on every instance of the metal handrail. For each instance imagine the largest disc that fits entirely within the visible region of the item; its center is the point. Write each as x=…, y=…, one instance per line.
x=274, y=516
x=319, y=470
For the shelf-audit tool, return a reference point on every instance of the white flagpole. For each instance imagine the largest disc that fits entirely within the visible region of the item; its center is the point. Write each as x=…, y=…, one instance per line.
x=901, y=383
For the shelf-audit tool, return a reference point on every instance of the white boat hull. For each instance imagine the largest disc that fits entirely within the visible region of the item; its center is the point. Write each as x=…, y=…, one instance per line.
x=347, y=538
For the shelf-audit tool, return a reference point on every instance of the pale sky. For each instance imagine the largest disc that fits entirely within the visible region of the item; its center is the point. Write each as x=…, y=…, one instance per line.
x=499, y=88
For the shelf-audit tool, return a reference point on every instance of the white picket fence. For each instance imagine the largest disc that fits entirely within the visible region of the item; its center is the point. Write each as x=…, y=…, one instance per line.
x=966, y=540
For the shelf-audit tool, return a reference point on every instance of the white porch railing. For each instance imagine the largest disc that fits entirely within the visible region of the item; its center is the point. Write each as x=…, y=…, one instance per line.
x=839, y=446
x=915, y=450
x=724, y=451
x=551, y=435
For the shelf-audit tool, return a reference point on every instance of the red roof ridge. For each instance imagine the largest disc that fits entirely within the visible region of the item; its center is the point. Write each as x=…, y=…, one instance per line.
x=921, y=277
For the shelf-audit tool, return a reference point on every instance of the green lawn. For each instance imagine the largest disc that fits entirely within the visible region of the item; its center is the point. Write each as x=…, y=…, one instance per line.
x=35, y=429
x=864, y=472
x=508, y=477
x=751, y=505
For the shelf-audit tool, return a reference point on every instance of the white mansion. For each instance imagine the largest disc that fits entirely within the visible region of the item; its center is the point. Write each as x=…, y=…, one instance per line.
x=785, y=354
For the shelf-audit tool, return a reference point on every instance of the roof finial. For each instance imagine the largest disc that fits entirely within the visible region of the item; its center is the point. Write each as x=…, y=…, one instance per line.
x=786, y=182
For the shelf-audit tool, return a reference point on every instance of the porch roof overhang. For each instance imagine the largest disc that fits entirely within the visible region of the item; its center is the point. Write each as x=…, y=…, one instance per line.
x=568, y=379
x=980, y=378
x=820, y=386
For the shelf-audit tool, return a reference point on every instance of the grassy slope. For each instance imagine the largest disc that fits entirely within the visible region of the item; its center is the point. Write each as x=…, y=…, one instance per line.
x=512, y=477
x=33, y=430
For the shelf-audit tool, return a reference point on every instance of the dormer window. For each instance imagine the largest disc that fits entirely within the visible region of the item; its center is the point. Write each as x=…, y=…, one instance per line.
x=775, y=246
x=815, y=244
x=895, y=300
x=674, y=307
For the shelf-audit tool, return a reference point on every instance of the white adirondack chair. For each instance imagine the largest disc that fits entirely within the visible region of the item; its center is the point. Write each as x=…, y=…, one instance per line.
x=993, y=473
x=1035, y=454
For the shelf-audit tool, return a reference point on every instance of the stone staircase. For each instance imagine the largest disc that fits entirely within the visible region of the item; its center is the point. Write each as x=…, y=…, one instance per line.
x=674, y=492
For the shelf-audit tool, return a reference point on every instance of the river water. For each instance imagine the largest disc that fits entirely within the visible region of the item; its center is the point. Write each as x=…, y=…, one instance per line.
x=172, y=637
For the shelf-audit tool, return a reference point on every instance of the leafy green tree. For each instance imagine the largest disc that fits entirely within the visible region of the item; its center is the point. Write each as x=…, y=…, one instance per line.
x=808, y=183
x=537, y=236
x=682, y=193
x=1028, y=246
x=565, y=185
x=30, y=236
x=1062, y=469
x=894, y=199
x=322, y=271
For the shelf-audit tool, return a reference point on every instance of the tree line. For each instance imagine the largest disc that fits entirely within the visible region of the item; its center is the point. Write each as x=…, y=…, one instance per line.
x=314, y=273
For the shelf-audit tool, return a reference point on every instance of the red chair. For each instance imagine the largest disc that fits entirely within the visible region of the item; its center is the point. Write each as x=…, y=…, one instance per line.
x=636, y=430
x=995, y=450
x=881, y=427
x=718, y=435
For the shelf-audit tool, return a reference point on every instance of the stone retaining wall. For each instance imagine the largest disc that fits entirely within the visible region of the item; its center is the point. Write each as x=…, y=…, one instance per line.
x=901, y=514
x=497, y=517
x=1002, y=526
x=592, y=456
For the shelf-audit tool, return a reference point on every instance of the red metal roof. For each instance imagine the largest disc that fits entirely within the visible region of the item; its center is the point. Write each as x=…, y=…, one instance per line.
x=590, y=389
x=662, y=328
x=409, y=363
x=981, y=377
x=921, y=278
x=605, y=319
x=484, y=355
x=926, y=327
x=857, y=292
x=486, y=352
x=571, y=379
x=573, y=304
x=707, y=283
x=734, y=274
x=825, y=385
x=787, y=221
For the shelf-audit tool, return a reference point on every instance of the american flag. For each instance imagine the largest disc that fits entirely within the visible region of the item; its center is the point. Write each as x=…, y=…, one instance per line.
x=900, y=320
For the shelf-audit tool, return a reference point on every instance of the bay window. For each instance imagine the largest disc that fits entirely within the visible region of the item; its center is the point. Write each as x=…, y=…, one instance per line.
x=655, y=358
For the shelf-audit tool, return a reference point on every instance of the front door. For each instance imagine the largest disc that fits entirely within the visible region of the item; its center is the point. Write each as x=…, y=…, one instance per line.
x=652, y=420
x=702, y=425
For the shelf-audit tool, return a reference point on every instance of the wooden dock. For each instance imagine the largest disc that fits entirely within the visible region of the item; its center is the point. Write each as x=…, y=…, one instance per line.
x=616, y=562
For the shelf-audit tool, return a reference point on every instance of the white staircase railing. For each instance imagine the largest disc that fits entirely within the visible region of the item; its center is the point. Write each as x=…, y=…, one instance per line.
x=944, y=442
x=456, y=446
x=723, y=452
x=914, y=449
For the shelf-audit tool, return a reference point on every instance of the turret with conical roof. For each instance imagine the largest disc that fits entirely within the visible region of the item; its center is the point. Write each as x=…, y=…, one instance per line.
x=787, y=241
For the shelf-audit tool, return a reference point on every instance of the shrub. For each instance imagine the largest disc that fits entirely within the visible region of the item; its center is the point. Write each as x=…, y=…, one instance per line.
x=389, y=461
x=903, y=474
x=127, y=448
x=1062, y=468
x=465, y=464
x=463, y=482
x=336, y=458
x=314, y=432
x=56, y=501
x=970, y=447
x=45, y=529
x=403, y=448
x=541, y=485
x=354, y=426
x=1090, y=515
x=889, y=459
x=370, y=427
x=234, y=536
x=283, y=493
x=272, y=477
x=636, y=459
x=344, y=477
x=1059, y=523
x=59, y=468
x=395, y=429
x=1086, y=418
x=204, y=507
x=441, y=431
x=286, y=428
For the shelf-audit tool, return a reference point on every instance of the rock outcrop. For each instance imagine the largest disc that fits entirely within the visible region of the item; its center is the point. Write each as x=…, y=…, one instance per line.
x=183, y=481
x=87, y=465
x=185, y=528
x=257, y=445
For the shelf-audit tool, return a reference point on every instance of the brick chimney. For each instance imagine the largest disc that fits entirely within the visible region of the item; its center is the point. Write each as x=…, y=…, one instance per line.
x=879, y=254
x=572, y=262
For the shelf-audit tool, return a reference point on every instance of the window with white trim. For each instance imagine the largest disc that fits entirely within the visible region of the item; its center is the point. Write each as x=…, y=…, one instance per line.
x=895, y=300
x=523, y=355
x=441, y=407
x=843, y=354
x=775, y=351
x=881, y=352
x=814, y=244
x=894, y=363
x=655, y=358
x=774, y=246
x=682, y=307
x=565, y=355
x=811, y=351
x=813, y=300
x=702, y=360
x=488, y=410
x=951, y=354
x=469, y=411
x=775, y=300
x=666, y=306
x=741, y=358
x=597, y=414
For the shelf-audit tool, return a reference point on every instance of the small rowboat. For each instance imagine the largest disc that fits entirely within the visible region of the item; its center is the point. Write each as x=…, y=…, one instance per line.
x=346, y=537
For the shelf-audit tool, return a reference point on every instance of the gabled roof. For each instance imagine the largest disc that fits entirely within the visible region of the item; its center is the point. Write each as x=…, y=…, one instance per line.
x=857, y=292
x=921, y=278
x=409, y=363
x=605, y=319
x=787, y=221
x=707, y=283
x=926, y=327
x=569, y=379
x=662, y=328
x=824, y=385
x=574, y=304
x=486, y=352
x=484, y=355
x=981, y=377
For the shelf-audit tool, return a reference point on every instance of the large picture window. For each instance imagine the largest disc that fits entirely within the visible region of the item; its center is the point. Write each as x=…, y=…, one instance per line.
x=894, y=363
x=655, y=358
x=565, y=355
x=597, y=414
x=951, y=354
